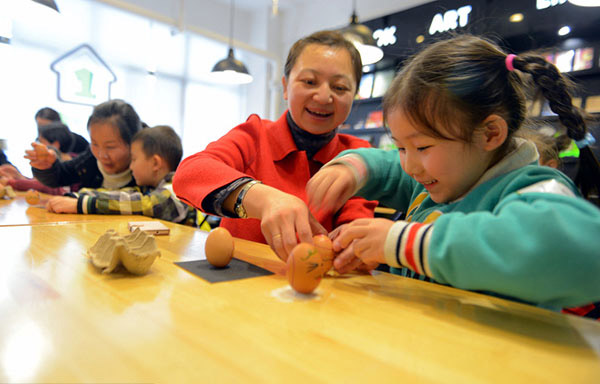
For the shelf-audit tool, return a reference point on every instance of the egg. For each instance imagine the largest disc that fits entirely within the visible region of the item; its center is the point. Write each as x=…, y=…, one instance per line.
x=219, y=247
x=304, y=268
x=325, y=247
x=32, y=197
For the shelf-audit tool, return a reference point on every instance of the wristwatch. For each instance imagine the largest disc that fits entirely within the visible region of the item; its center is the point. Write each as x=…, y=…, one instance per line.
x=239, y=207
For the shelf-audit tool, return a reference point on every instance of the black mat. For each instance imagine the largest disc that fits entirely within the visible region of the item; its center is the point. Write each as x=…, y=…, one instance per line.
x=236, y=270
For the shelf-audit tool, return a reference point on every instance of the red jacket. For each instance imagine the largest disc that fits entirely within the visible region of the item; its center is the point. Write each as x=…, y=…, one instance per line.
x=263, y=150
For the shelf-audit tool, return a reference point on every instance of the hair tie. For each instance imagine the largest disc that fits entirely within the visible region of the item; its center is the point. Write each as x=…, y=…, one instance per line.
x=587, y=140
x=509, y=62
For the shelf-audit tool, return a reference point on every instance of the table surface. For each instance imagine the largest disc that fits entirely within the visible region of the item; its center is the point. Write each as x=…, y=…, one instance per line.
x=63, y=321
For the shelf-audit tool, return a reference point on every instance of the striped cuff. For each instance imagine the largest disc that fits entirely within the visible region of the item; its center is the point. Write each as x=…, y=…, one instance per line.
x=86, y=204
x=407, y=245
x=356, y=165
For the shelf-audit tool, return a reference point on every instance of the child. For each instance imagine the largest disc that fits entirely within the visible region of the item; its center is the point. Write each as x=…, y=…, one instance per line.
x=59, y=137
x=105, y=163
x=481, y=214
x=155, y=154
x=48, y=115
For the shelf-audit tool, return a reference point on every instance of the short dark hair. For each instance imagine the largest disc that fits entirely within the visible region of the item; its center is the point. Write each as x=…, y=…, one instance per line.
x=161, y=140
x=48, y=114
x=57, y=132
x=330, y=39
x=119, y=113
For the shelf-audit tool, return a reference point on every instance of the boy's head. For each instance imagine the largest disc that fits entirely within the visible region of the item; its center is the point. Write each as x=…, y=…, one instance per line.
x=155, y=152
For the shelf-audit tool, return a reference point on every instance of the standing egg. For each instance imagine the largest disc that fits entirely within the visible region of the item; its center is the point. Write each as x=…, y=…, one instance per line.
x=32, y=197
x=219, y=247
x=325, y=247
x=304, y=270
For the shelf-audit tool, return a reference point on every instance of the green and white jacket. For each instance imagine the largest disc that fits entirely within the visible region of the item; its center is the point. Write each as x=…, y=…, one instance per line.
x=522, y=232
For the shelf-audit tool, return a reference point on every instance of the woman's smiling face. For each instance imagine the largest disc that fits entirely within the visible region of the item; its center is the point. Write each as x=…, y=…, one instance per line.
x=109, y=147
x=320, y=88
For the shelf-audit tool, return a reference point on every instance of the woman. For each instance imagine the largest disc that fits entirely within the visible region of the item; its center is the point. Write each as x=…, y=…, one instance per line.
x=105, y=164
x=260, y=168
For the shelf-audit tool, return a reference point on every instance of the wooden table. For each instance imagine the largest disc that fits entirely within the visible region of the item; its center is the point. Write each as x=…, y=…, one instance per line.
x=62, y=321
x=16, y=211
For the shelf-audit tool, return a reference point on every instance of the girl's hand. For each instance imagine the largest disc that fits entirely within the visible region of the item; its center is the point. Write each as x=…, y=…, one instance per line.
x=361, y=241
x=62, y=204
x=40, y=156
x=330, y=188
x=285, y=219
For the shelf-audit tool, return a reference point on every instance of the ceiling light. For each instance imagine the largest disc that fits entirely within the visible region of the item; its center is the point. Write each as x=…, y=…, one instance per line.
x=48, y=3
x=564, y=30
x=230, y=70
x=586, y=3
x=362, y=37
x=516, y=18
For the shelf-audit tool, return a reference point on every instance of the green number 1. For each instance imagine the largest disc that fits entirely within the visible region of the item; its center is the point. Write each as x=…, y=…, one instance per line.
x=85, y=78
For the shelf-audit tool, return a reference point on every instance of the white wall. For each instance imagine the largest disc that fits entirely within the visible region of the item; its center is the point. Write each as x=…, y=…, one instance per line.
x=256, y=27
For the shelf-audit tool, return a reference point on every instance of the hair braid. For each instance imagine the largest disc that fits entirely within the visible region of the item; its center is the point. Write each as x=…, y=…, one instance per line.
x=555, y=88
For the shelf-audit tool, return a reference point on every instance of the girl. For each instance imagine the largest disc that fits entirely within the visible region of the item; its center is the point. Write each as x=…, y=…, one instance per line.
x=260, y=168
x=480, y=213
x=105, y=164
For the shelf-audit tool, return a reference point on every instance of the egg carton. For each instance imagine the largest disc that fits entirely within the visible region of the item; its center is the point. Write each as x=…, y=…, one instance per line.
x=136, y=252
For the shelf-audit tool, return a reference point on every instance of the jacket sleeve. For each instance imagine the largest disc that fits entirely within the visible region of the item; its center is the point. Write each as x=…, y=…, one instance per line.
x=385, y=180
x=222, y=162
x=537, y=247
x=63, y=173
x=160, y=203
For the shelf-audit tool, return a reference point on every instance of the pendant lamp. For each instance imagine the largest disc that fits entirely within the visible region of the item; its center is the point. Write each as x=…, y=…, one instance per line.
x=586, y=3
x=362, y=37
x=48, y=3
x=231, y=70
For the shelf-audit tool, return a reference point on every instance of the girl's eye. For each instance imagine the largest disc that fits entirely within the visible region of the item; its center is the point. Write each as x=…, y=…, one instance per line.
x=401, y=150
x=423, y=148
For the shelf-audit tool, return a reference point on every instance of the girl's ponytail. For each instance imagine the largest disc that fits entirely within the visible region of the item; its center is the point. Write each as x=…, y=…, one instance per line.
x=555, y=88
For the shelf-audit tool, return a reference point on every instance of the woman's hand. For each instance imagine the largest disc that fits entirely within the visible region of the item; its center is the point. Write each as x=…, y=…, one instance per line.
x=330, y=188
x=62, y=204
x=40, y=156
x=361, y=241
x=284, y=219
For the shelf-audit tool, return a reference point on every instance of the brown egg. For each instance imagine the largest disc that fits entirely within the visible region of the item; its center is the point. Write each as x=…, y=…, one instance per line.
x=325, y=247
x=304, y=270
x=219, y=247
x=32, y=197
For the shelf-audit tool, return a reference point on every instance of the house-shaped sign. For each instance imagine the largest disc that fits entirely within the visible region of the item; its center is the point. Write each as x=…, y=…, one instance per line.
x=83, y=77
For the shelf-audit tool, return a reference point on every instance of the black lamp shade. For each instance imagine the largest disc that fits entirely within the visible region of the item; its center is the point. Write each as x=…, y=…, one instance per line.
x=362, y=37
x=48, y=3
x=231, y=70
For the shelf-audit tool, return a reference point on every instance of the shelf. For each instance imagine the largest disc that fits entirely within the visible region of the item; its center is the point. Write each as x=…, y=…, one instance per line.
x=373, y=100
x=365, y=131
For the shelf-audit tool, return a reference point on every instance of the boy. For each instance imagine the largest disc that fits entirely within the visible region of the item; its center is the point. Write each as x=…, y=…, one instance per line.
x=155, y=154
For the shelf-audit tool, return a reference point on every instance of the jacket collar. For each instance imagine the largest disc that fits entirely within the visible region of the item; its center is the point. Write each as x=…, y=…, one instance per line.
x=282, y=143
x=524, y=153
